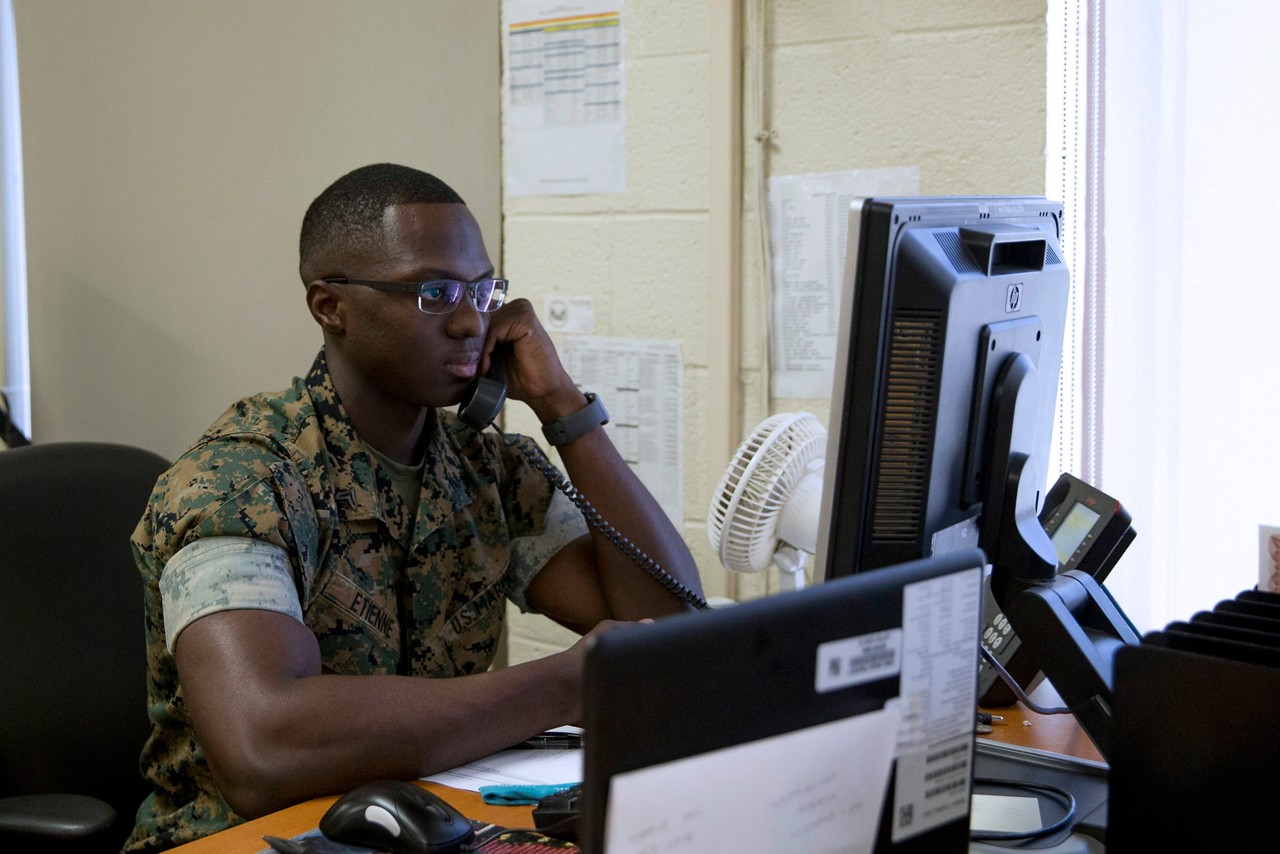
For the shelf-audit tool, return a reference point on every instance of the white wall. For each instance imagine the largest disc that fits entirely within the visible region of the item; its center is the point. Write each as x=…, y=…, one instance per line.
x=172, y=147
x=954, y=88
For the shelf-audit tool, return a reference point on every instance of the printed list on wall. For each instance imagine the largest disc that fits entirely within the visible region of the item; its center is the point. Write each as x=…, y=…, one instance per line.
x=565, y=97
x=808, y=223
x=642, y=385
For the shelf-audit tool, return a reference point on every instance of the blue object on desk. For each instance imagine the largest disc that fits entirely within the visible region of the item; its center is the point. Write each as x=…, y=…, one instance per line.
x=514, y=796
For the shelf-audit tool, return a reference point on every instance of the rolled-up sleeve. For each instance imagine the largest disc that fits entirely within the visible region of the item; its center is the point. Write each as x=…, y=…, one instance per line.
x=222, y=574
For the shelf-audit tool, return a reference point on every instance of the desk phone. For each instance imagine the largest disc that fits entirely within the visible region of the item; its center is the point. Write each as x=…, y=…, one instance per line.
x=1089, y=531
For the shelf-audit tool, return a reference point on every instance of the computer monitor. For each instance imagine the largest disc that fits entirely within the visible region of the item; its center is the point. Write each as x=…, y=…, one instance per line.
x=940, y=297
x=942, y=418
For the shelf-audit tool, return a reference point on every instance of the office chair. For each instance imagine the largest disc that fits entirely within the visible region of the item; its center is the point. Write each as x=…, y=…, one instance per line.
x=72, y=650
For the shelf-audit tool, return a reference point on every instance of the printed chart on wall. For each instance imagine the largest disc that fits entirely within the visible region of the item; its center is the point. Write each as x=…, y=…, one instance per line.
x=565, y=96
x=808, y=223
x=642, y=385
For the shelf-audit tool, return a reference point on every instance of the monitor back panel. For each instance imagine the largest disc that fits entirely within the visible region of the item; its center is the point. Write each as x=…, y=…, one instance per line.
x=701, y=682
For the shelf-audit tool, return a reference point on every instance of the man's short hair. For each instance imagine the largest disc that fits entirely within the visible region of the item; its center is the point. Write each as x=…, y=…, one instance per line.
x=346, y=219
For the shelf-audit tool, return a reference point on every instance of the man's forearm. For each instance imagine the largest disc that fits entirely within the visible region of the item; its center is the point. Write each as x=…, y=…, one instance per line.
x=599, y=471
x=274, y=737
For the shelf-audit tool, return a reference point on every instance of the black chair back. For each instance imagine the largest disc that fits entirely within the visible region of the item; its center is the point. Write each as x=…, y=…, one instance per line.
x=73, y=682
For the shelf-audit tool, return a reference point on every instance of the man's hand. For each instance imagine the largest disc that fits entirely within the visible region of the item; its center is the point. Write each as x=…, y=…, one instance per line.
x=579, y=653
x=535, y=373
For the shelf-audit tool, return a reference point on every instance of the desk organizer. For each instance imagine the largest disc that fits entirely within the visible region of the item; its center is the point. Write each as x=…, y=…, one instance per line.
x=1196, y=740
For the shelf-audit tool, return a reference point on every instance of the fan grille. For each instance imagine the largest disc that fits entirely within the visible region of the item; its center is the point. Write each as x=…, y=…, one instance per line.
x=743, y=517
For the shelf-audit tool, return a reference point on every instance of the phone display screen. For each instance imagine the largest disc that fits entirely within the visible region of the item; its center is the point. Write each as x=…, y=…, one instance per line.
x=1074, y=528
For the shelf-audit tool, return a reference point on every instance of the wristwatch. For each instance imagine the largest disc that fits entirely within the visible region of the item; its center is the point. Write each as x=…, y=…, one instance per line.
x=564, y=430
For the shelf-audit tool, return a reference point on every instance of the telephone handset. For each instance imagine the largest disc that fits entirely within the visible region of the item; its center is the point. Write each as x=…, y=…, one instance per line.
x=1089, y=530
x=484, y=398
x=480, y=406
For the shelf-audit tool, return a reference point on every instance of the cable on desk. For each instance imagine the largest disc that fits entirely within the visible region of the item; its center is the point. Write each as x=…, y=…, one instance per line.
x=1067, y=800
x=1016, y=688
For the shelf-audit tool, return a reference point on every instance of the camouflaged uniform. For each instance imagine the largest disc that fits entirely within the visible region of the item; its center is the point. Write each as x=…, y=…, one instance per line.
x=384, y=593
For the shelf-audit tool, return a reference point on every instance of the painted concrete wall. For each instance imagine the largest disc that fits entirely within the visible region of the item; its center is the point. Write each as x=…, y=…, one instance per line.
x=955, y=88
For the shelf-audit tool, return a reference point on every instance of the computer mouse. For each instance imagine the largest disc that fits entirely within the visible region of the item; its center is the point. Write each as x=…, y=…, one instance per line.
x=397, y=816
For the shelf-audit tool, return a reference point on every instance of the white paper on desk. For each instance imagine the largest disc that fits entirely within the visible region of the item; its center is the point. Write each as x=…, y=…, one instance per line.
x=515, y=768
x=1005, y=814
x=815, y=789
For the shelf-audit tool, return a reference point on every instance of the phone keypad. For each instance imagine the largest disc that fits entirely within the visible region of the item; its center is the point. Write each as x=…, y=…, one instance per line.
x=996, y=636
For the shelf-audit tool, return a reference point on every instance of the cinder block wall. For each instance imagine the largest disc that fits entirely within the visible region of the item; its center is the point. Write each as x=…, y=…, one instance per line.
x=953, y=87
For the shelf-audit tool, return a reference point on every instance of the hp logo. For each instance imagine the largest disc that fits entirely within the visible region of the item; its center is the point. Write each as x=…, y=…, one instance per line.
x=1013, y=299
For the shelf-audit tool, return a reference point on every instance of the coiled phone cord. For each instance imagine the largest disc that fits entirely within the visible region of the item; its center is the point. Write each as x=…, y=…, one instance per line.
x=655, y=570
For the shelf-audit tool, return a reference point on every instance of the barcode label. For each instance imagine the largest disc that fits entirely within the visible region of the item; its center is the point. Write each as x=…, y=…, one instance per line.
x=856, y=661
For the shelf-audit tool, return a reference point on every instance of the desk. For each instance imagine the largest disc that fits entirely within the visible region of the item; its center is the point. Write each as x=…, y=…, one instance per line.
x=247, y=838
x=1021, y=727
x=1053, y=733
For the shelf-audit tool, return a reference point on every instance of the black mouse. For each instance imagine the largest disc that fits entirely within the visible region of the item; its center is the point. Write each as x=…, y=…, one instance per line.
x=393, y=815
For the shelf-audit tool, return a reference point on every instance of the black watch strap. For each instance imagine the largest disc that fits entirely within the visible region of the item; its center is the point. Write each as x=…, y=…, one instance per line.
x=562, y=431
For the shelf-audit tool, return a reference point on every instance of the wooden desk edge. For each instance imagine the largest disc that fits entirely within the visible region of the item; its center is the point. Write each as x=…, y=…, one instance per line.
x=299, y=818
x=1052, y=733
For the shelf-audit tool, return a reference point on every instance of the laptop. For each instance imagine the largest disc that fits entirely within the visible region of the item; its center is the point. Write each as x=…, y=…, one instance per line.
x=838, y=717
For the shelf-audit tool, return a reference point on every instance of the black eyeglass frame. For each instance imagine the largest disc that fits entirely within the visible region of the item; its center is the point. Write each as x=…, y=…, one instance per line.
x=500, y=287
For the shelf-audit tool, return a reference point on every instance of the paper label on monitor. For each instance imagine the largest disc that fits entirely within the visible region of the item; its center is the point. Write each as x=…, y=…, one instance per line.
x=856, y=661
x=940, y=619
x=959, y=537
x=932, y=787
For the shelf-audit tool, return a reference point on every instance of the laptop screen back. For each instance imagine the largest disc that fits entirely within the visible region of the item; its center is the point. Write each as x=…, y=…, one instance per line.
x=769, y=722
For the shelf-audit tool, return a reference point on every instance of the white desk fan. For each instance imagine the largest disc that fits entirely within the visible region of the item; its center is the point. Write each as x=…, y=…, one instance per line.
x=765, y=509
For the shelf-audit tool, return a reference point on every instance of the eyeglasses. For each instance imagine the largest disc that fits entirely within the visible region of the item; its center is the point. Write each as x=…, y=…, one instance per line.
x=440, y=296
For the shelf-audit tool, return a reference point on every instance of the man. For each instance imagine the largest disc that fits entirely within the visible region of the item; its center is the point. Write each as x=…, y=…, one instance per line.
x=322, y=549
